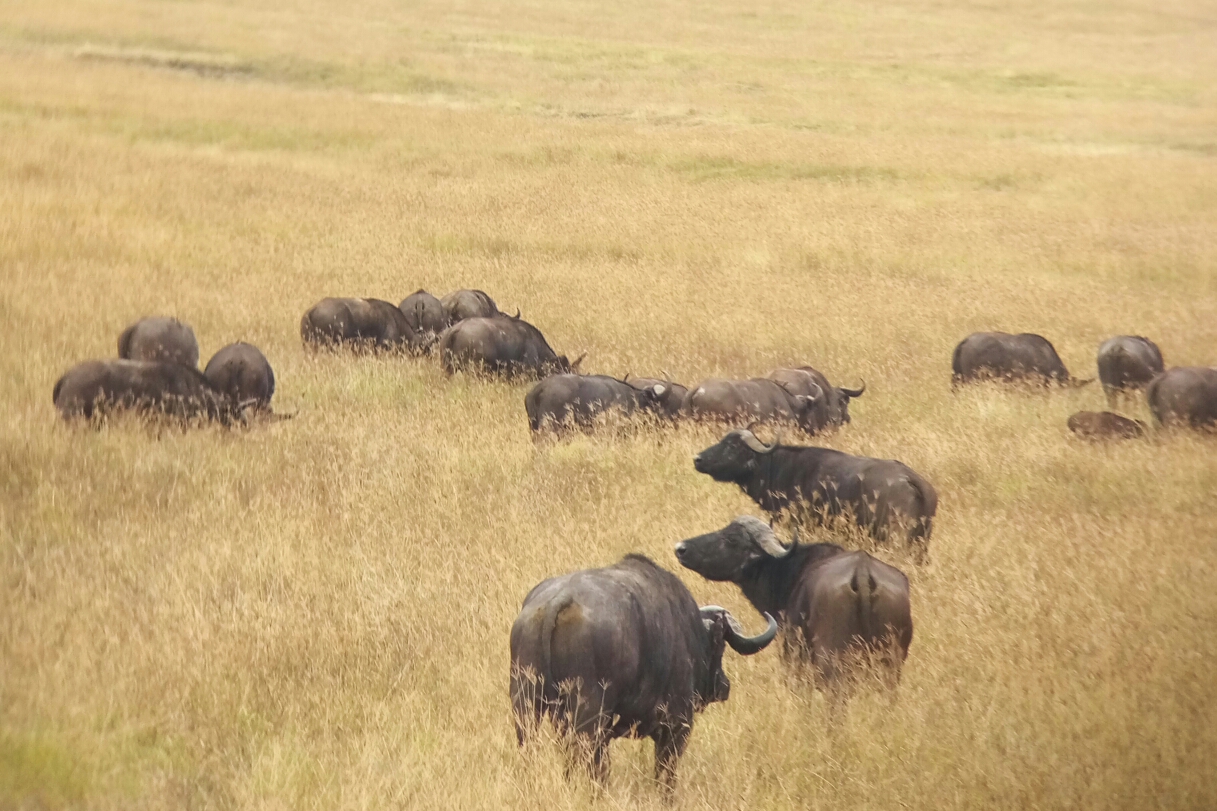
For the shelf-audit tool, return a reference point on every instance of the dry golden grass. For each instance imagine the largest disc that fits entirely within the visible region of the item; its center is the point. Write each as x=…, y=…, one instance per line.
x=315, y=613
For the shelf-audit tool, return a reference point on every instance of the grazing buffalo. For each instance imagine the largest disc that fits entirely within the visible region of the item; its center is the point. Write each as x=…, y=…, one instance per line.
x=836, y=608
x=884, y=497
x=1185, y=395
x=500, y=345
x=830, y=410
x=621, y=651
x=571, y=400
x=154, y=388
x=1127, y=362
x=1001, y=356
x=243, y=374
x=462, y=304
x=759, y=399
x=425, y=315
x=670, y=399
x=1105, y=425
x=159, y=339
x=359, y=322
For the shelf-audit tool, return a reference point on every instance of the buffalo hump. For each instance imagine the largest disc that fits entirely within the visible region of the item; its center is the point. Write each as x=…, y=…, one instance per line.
x=462, y=304
x=158, y=338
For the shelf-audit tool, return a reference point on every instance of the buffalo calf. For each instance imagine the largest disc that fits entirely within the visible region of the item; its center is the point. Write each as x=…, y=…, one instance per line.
x=1105, y=425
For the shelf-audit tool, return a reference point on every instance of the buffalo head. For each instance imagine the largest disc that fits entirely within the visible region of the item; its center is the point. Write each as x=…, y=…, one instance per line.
x=725, y=554
x=725, y=630
x=843, y=397
x=734, y=457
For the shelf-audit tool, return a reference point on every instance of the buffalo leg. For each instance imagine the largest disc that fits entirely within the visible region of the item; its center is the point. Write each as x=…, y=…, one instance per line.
x=670, y=742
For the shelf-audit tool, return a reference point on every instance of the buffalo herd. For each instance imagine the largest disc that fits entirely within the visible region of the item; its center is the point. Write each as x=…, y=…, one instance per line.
x=625, y=650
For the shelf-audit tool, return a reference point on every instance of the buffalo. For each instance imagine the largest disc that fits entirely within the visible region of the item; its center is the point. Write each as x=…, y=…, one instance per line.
x=358, y=322
x=243, y=374
x=159, y=339
x=830, y=410
x=1127, y=363
x=836, y=608
x=1185, y=395
x=621, y=651
x=759, y=399
x=462, y=304
x=425, y=315
x=1099, y=425
x=572, y=400
x=500, y=345
x=1002, y=356
x=96, y=388
x=669, y=400
x=885, y=497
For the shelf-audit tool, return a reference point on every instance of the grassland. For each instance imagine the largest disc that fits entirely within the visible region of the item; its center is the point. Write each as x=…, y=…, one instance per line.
x=314, y=614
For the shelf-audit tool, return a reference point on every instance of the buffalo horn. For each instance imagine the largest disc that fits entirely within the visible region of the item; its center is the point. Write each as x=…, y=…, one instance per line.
x=755, y=444
x=744, y=645
x=579, y=360
x=517, y=315
x=854, y=392
x=766, y=540
x=818, y=396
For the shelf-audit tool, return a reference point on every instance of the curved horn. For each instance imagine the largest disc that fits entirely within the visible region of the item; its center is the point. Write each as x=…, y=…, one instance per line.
x=748, y=645
x=626, y=379
x=667, y=376
x=767, y=540
x=517, y=315
x=854, y=392
x=818, y=396
x=578, y=360
x=755, y=444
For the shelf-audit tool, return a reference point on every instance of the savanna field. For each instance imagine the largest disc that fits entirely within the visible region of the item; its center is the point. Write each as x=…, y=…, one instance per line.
x=314, y=613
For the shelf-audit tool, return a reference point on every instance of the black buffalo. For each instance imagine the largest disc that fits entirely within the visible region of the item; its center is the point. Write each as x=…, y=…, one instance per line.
x=620, y=651
x=670, y=399
x=243, y=374
x=425, y=315
x=1105, y=425
x=759, y=399
x=829, y=410
x=837, y=609
x=1002, y=356
x=358, y=322
x=1185, y=395
x=500, y=345
x=462, y=304
x=571, y=400
x=885, y=497
x=1126, y=363
x=159, y=339
x=96, y=388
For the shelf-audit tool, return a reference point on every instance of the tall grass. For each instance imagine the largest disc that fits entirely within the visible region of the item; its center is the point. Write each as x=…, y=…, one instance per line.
x=315, y=613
